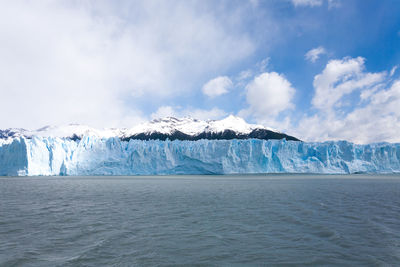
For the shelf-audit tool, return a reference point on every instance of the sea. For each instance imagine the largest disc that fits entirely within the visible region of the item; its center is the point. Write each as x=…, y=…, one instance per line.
x=229, y=220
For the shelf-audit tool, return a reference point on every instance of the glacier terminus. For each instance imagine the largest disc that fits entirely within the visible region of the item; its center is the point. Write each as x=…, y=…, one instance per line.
x=184, y=146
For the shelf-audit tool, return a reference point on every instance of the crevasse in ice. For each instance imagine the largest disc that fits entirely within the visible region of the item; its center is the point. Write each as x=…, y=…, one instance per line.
x=110, y=156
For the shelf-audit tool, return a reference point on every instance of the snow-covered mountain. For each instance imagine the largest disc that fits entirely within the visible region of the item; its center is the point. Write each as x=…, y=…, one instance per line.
x=72, y=131
x=231, y=127
x=75, y=130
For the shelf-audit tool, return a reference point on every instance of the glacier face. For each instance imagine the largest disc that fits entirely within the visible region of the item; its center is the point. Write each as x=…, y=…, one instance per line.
x=110, y=156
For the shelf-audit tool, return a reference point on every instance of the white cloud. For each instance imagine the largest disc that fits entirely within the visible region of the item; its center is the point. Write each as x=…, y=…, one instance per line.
x=202, y=114
x=217, y=86
x=244, y=75
x=307, y=2
x=377, y=121
x=340, y=78
x=268, y=95
x=314, y=3
x=334, y=3
x=368, y=92
x=84, y=62
x=393, y=70
x=314, y=54
x=373, y=116
x=264, y=64
x=164, y=111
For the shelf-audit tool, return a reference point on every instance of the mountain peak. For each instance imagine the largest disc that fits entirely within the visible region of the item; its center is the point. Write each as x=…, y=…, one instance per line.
x=186, y=128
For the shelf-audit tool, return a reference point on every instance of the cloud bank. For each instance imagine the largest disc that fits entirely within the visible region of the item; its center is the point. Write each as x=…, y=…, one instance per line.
x=86, y=62
x=353, y=105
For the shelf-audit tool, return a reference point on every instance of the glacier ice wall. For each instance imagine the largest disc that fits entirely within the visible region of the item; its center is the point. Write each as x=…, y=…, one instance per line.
x=97, y=156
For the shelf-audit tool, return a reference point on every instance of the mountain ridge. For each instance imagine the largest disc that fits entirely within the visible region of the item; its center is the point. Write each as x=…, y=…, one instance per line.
x=231, y=127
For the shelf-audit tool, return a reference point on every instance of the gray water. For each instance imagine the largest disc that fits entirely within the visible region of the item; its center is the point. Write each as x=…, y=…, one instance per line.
x=201, y=220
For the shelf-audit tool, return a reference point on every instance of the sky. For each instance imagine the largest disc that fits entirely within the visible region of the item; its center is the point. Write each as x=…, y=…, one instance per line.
x=316, y=69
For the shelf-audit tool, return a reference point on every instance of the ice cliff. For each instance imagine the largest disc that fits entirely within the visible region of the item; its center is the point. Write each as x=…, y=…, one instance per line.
x=93, y=155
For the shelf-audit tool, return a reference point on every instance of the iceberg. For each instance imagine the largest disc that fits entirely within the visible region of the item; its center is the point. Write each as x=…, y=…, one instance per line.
x=94, y=155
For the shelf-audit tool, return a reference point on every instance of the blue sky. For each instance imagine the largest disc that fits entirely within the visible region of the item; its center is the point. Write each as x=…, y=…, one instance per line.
x=317, y=69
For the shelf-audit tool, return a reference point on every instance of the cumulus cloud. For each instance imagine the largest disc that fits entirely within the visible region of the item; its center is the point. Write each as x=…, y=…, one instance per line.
x=340, y=78
x=314, y=54
x=178, y=112
x=373, y=114
x=217, y=86
x=377, y=121
x=267, y=95
x=84, y=62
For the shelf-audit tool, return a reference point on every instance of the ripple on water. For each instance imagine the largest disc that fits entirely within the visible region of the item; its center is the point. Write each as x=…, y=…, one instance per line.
x=202, y=220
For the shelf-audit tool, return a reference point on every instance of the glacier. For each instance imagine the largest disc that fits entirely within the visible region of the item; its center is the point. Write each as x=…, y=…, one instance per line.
x=93, y=155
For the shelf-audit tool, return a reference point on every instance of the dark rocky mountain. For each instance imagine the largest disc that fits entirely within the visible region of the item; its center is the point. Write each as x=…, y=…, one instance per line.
x=263, y=134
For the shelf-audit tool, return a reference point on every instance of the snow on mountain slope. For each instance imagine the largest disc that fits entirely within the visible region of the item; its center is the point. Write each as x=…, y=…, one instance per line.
x=73, y=131
x=64, y=131
x=11, y=133
x=192, y=127
x=172, y=128
x=169, y=125
x=235, y=124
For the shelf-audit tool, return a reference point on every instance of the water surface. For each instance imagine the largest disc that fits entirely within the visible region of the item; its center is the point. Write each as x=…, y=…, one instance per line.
x=203, y=220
